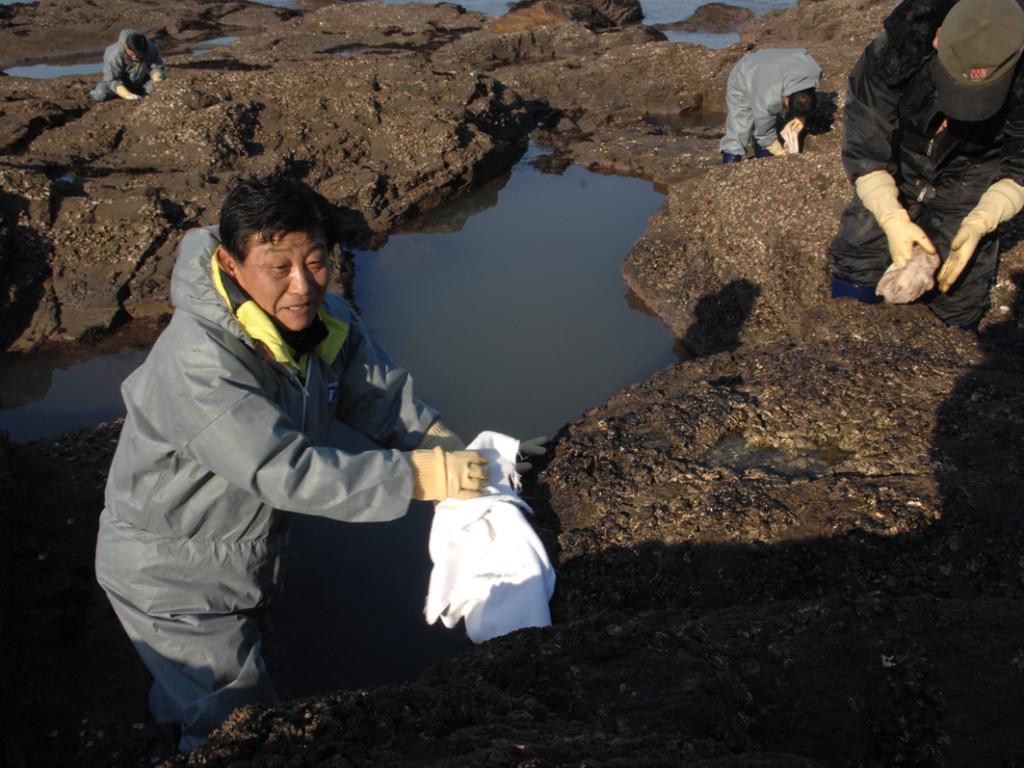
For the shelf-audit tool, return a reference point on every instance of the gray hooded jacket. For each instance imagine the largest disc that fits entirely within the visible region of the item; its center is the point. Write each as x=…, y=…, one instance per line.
x=754, y=94
x=118, y=69
x=222, y=439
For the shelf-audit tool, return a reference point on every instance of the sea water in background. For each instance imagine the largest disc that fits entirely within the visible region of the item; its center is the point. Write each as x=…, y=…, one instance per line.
x=655, y=12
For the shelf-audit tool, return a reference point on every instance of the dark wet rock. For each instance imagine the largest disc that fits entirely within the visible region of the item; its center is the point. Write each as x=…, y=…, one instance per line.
x=29, y=308
x=341, y=27
x=30, y=107
x=800, y=547
x=704, y=239
x=62, y=29
x=72, y=655
x=644, y=148
x=622, y=83
x=651, y=109
x=701, y=242
x=831, y=29
x=593, y=14
x=712, y=17
x=566, y=41
x=383, y=140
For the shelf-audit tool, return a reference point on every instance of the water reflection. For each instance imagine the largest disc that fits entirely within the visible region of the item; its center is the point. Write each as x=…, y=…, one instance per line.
x=49, y=71
x=712, y=40
x=208, y=46
x=46, y=395
x=733, y=452
x=518, y=322
x=509, y=309
x=655, y=12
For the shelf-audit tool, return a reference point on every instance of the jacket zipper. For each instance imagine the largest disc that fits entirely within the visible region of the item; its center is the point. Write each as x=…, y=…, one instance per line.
x=305, y=390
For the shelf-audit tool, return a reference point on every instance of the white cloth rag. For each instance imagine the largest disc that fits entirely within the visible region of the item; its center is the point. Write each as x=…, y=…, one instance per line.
x=902, y=285
x=489, y=566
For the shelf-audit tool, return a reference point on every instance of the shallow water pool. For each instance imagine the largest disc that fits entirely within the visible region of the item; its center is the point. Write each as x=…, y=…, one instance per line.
x=509, y=309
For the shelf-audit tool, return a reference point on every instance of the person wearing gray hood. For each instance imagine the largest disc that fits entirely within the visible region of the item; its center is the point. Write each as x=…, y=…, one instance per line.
x=131, y=68
x=226, y=434
x=764, y=86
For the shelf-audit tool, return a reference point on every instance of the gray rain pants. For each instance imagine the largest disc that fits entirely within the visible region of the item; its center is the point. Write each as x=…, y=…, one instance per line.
x=205, y=660
x=860, y=255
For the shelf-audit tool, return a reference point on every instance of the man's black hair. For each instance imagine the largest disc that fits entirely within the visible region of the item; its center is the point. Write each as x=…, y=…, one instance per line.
x=801, y=104
x=270, y=207
x=137, y=43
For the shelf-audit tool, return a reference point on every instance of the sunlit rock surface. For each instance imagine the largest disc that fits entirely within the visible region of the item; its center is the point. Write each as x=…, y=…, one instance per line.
x=799, y=547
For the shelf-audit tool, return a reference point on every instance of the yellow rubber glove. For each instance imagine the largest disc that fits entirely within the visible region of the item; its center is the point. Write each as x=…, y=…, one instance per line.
x=440, y=475
x=776, y=148
x=877, y=190
x=157, y=77
x=125, y=94
x=1001, y=202
x=439, y=435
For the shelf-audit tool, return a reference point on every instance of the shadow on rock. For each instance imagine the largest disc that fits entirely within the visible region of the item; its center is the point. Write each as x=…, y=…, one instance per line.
x=24, y=269
x=719, y=319
x=870, y=609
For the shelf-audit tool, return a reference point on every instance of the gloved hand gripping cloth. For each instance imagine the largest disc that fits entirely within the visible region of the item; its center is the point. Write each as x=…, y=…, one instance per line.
x=877, y=190
x=489, y=566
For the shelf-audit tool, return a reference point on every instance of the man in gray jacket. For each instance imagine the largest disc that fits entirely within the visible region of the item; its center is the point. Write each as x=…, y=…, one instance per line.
x=131, y=68
x=226, y=433
x=762, y=87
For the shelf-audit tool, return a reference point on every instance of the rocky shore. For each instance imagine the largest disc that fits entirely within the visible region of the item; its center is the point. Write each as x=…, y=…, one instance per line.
x=799, y=547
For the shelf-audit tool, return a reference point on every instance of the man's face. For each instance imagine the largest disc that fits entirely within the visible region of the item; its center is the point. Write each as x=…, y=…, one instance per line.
x=286, y=276
x=133, y=55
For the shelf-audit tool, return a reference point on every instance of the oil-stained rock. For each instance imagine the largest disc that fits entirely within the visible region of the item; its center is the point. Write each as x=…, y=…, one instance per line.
x=712, y=17
x=65, y=30
x=704, y=240
x=27, y=304
x=384, y=140
x=593, y=14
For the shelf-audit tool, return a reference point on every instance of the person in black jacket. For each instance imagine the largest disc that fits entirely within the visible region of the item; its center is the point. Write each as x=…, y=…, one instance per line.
x=934, y=143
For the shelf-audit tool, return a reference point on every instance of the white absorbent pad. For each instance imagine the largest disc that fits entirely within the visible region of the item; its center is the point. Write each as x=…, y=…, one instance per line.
x=489, y=566
x=902, y=285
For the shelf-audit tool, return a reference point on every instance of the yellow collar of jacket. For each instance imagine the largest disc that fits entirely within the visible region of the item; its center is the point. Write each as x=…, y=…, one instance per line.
x=261, y=328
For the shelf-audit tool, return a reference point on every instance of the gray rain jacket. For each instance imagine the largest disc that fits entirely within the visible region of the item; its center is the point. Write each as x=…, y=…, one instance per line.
x=118, y=69
x=225, y=435
x=754, y=92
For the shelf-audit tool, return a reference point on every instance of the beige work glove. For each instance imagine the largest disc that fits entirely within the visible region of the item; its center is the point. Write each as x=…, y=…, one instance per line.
x=440, y=474
x=790, y=135
x=439, y=435
x=877, y=190
x=125, y=94
x=1001, y=202
x=157, y=77
x=776, y=148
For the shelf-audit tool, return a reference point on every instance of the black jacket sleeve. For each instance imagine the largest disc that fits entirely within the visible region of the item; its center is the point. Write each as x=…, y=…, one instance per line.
x=870, y=115
x=1011, y=159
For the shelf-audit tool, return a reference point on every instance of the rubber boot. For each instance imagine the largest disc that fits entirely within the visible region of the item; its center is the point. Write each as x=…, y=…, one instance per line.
x=844, y=290
x=729, y=158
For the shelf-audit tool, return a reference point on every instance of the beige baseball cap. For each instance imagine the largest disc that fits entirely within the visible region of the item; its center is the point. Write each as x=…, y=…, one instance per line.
x=980, y=42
